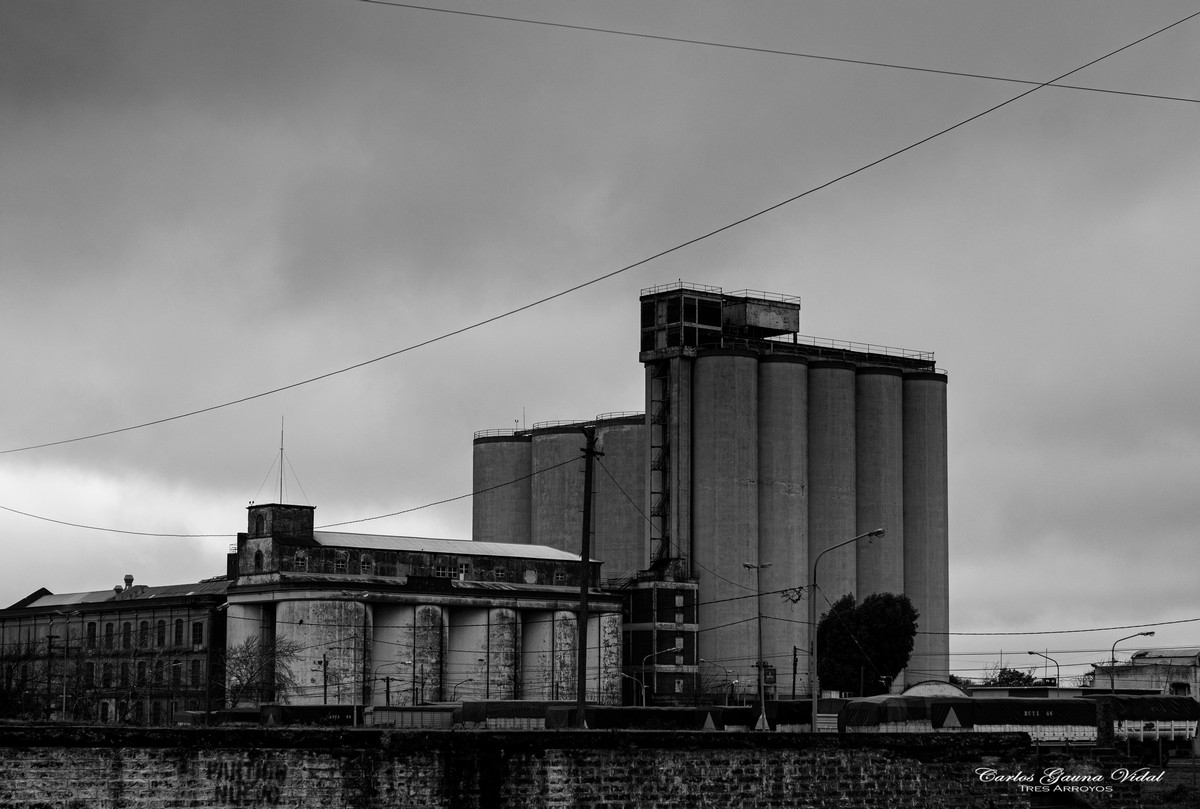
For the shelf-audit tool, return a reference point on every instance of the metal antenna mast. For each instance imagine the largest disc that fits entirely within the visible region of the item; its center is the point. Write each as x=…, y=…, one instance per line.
x=281, y=460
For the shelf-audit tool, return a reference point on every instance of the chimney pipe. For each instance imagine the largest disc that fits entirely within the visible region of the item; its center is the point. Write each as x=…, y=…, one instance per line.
x=128, y=581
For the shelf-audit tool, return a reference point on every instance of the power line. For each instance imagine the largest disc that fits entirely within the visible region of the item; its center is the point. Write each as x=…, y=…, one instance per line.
x=606, y=276
x=774, y=52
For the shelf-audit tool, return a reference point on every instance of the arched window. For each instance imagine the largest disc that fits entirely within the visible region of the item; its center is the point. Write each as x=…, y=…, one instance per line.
x=160, y=634
x=178, y=631
x=366, y=564
x=126, y=635
x=258, y=561
x=260, y=526
x=144, y=634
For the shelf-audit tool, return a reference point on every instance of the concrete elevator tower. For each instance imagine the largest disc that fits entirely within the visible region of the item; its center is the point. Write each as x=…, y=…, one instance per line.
x=766, y=448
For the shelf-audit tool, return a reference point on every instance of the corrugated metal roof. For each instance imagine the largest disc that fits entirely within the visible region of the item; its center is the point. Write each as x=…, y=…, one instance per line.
x=99, y=596
x=458, y=547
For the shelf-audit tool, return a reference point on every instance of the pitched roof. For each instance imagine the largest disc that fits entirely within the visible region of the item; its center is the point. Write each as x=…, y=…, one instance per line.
x=457, y=547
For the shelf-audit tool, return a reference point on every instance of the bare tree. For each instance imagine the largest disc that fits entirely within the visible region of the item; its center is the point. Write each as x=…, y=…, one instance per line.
x=258, y=671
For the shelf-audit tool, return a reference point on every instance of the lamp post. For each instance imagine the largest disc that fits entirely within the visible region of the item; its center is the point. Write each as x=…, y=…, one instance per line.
x=1057, y=672
x=645, y=660
x=759, y=664
x=636, y=680
x=731, y=677
x=1112, y=679
x=812, y=616
x=454, y=692
x=375, y=678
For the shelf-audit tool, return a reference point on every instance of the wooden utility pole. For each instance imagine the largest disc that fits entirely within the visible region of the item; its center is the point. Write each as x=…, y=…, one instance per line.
x=585, y=568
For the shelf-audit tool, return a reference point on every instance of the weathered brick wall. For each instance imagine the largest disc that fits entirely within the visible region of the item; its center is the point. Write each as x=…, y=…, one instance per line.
x=115, y=768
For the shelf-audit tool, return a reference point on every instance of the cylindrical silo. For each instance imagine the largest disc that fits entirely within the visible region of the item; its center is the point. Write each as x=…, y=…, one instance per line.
x=618, y=538
x=500, y=507
x=406, y=654
x=926, y=523
x=503, y=653
x=783, y=503
x=430, y=642
x=466, y=656
x=831, y=495
x=334, y=648
x=548, y=655
x=725, y=502
x=879, y=479
x=557, y=486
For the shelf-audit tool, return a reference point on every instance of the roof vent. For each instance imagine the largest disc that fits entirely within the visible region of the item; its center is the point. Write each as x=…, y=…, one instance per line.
x=128, y=580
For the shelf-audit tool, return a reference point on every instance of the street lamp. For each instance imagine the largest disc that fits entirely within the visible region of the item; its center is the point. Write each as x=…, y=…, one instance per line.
x=645, y=660
x=388, y=680
x=812, y=616
x=760, y=664
x=732, y=677
x=454, y=692
x=636, y=680
x=1057, y=672
x=1112, y=680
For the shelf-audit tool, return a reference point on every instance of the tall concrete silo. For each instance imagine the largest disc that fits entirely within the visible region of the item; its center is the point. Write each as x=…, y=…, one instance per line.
x=332, y=634
x=557, y=485
x=618, y=538
x=831, y=478
x=725, y=499
x=782, y=499
x=926, y=521
x=879, y=479
x=500, y=510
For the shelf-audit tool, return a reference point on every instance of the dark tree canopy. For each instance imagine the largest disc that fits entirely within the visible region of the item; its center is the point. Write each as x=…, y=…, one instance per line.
x=863, y=647
x=1010, y=677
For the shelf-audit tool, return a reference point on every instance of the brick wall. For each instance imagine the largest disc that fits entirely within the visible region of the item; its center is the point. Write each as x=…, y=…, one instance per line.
x=215, y=768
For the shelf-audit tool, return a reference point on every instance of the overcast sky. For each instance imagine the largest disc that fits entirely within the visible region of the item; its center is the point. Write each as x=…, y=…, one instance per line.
x=204, y=201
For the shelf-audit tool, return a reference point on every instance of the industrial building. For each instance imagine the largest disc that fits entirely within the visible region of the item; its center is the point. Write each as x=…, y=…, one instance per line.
x=309, y=617
x=759, y=452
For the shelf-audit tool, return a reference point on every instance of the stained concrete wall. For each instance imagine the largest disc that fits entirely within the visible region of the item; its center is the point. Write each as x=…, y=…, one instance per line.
x=89, y=768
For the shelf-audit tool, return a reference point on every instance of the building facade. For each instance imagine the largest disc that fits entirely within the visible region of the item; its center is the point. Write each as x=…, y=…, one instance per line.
x=132, y=654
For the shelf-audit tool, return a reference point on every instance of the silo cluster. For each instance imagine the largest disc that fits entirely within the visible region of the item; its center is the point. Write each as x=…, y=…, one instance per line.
x=528, y=488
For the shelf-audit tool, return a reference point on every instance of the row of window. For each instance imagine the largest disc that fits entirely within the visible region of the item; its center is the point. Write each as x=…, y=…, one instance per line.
x=143, y=634
x=142, y=673
x=441, y=570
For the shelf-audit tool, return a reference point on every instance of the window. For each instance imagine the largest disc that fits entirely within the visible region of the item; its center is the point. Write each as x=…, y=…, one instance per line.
x=679, y=642
x=178, y=631
x=158, y=672
x=300, y=561
x=260, y=526
x=679, y=617
x=139, y=712
x=197, y=633
x=464, y=570
x=678, y=600
x=339, y=561
x=103, y=711
x=106, y=676
x=441, y=571
x=124, y=675
x=144, y=634
x=196, y=674
x=126, y=635
x=560, y=578
x=176, y=673
x=91, y=635
x=160, y=636
x=156, y=713
x=89, y=674
x=366, y=565
x=258, y=561
x=141, y=672
x=108, y=635
x=500, y=574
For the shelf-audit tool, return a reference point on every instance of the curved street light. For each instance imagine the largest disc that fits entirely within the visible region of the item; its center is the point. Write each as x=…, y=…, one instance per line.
x=732, y=678
x=1057, y=672
x=645, y=660
x=1112, y=679
x=812, y=616
x=454, y=692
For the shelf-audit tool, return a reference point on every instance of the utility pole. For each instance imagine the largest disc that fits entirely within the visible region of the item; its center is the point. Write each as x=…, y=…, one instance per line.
x=585, y=568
